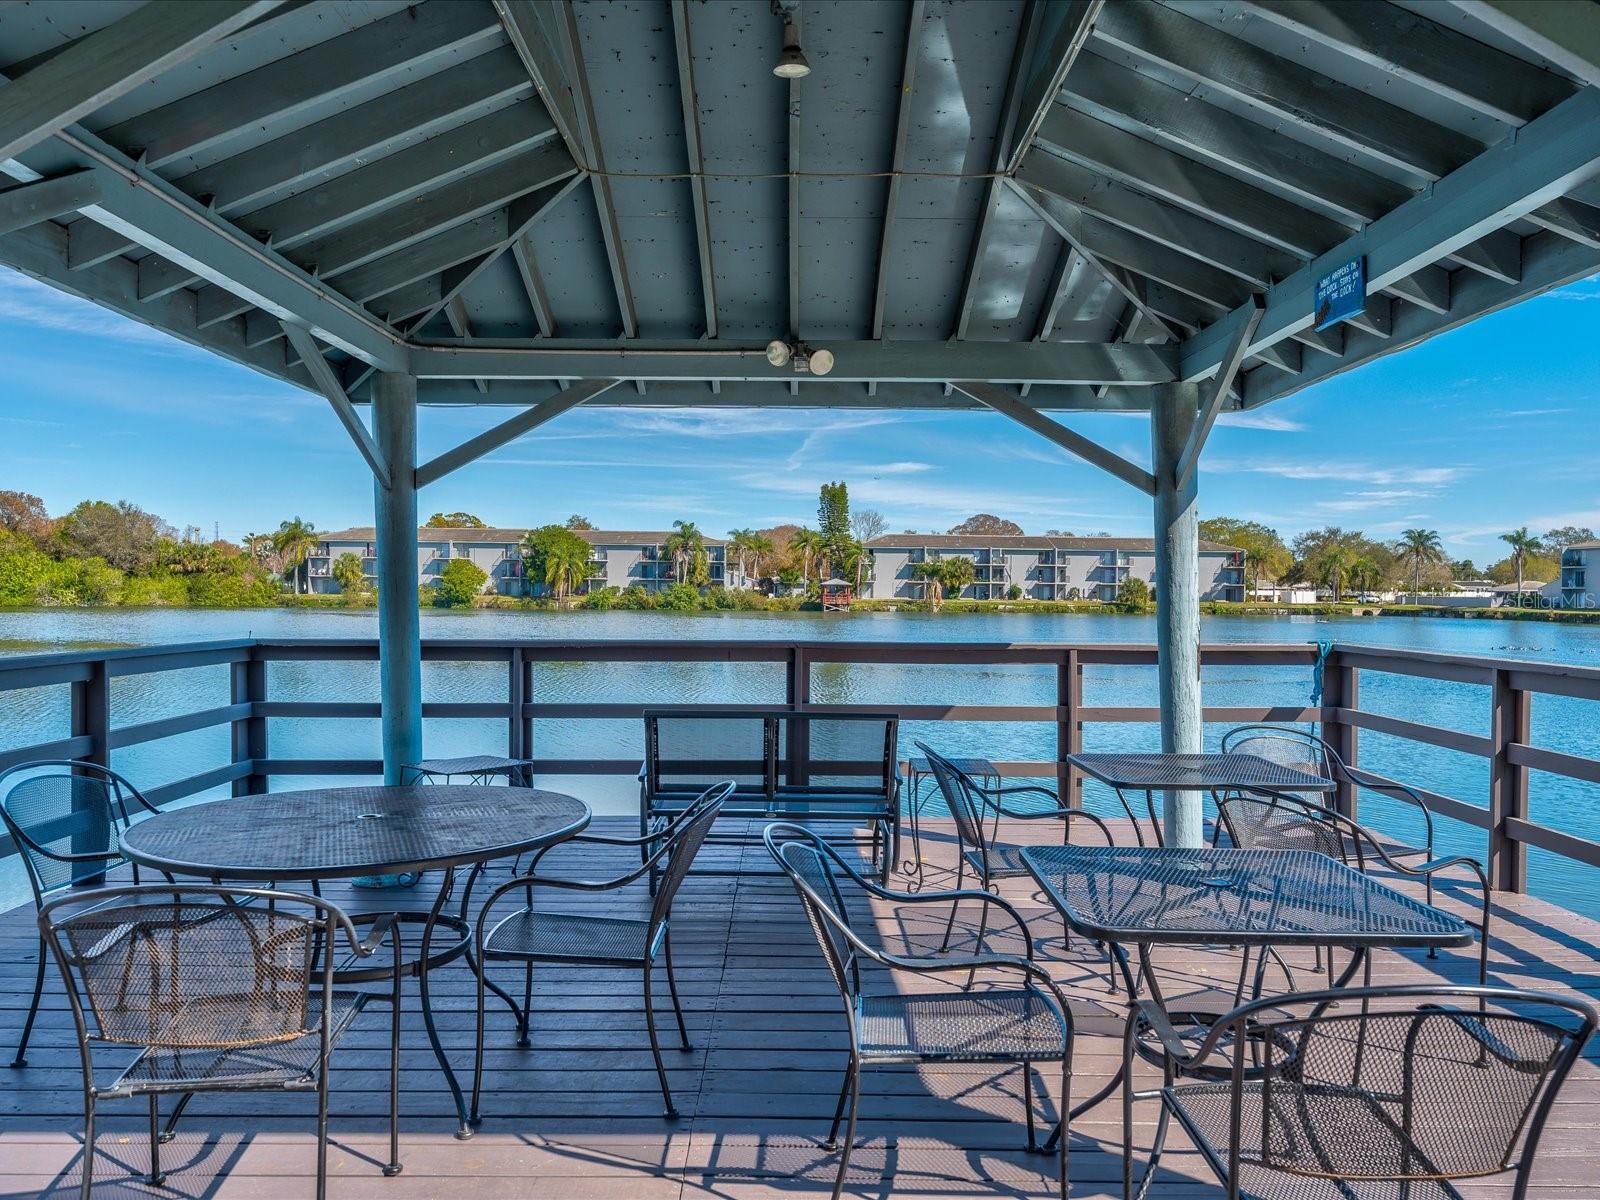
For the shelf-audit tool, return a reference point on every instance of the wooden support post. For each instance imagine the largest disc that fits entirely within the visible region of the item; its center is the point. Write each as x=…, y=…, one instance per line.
x=248, y=681
x=1341, y=688
x=797, y=694
x=516, y=726
x=1069, y=730
x=1509, y=722
x=394, y=419
x=1177, y=530
x=91, y=718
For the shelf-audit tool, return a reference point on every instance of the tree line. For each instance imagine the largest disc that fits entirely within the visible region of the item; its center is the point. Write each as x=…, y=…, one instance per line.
x=1345, y=560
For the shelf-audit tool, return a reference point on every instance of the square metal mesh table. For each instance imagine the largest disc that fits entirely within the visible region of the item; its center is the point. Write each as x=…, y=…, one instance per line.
x=1197, y=772
x=1128, y=894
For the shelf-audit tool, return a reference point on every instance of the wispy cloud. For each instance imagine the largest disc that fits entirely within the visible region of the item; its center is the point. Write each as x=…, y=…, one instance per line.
x=1430, y=477
x=1260, y=418
x=28, y=302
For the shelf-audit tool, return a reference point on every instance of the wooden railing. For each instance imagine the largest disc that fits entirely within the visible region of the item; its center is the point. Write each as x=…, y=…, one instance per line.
x=1507, y=747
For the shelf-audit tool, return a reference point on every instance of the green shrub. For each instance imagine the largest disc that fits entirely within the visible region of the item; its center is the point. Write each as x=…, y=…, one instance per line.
x=680, y=597
x=602, y=599
x=1014, y=592
x=1134, y=596
x=459, y=583
x=636, y=599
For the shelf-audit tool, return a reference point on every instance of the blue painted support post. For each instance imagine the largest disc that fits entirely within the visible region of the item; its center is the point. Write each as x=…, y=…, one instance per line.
x=394, y=428
x=1177, y=530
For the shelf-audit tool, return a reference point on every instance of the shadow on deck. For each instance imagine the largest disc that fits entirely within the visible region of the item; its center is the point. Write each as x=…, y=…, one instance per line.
x=578, y=1115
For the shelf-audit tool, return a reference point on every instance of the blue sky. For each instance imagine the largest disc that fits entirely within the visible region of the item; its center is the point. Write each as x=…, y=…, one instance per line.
x=1474, y=433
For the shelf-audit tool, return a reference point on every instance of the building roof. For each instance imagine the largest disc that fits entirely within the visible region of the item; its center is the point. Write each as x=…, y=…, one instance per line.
x=497, y=535
x=1528, y=585
x=977, y=541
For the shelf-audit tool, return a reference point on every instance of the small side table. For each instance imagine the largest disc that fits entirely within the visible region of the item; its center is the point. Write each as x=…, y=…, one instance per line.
x=919, y=769
x=475, y=768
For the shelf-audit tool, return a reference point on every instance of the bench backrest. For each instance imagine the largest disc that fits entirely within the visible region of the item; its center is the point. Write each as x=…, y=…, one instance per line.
x=770, y=751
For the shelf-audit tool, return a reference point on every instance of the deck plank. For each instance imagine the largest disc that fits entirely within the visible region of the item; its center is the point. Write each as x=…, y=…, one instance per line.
x=578, y=1116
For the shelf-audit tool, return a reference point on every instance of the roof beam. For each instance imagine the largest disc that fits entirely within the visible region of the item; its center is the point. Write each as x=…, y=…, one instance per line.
x=1536, y=164
x=328, y=384
x=1549, y=261
x=40, y=252
x=813, y=394
x=1168, y=225
x=1047, y=67
x=1217, y=389
x=405, y=41
x=438, y=103
x=455, y=312
x=1433, y=56
x=46, y=199
x=796, y=89
x=565, y=87
x=1133, y=289
x=915, y=29
x=402, y=177
x=533, y=285
x=884, y=362
x=1093, y=453
x=384, y=233
x=1567, y=34
x=1284, y=90
x=97, y=69
x=690, y=100
x=146, y=208
x=511, y=429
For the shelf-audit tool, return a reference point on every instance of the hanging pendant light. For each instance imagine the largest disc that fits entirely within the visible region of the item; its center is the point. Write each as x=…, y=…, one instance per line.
x=792, y=62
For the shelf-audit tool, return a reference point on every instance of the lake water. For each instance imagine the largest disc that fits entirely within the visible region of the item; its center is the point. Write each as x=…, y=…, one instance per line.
x=40, y=714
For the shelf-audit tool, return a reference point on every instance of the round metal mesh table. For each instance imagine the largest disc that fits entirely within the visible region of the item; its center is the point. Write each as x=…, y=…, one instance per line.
x=332, y=833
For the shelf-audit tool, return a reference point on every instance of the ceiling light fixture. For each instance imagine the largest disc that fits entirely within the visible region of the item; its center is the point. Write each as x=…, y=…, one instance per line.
x=779, y=352
x=821, y=361
x=792, y=62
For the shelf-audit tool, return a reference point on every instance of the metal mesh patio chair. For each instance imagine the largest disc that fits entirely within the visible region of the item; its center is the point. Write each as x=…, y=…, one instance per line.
x=65, y=818
x=530, y=936
x=1023, y=1020
x=1392, y=1094
x=1285, y=823
x=1290, y=746
x=215, y=994
x=971, y=805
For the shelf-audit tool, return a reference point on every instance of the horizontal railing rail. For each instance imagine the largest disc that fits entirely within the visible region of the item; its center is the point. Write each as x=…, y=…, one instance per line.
x=1507, y=748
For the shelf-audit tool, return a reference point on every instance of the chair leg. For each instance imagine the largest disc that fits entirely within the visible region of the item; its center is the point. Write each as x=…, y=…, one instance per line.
x=832, y=1142
x=156, y=1177
x=322, y=1131
x=672, y=987
x=1027, y=1104
x=87, y=1183
x=849, y=1128
x=655, y=1044
x=21, y=1059
x=393, y=1166
x=525, y=1017
x=1066, y=1119
x=950, y=925
x=477, y=1047
x=170, y=1130
x=1427, y=885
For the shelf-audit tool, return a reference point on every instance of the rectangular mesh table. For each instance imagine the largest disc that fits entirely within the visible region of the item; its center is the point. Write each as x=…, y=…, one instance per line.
x=1140, y=895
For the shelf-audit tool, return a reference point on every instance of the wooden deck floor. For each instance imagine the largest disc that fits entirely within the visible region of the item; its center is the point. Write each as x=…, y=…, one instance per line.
x=578, y=1116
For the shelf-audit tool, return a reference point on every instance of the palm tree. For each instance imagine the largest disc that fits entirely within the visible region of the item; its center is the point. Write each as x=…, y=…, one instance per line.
x=739, y=543
x=1334, y=569
x=1522, y=544
x=857, y=560
x=295, y=540
x=1364, y=573
x=811, y=546
x=566, y=565
x=1419, y=548
x=686, y=546
x=760, y=545
x=931, y=573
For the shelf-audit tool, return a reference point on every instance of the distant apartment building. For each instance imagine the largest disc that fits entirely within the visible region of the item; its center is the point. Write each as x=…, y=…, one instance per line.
x=618, y=558
x=1044, y=568
x=1578, y=590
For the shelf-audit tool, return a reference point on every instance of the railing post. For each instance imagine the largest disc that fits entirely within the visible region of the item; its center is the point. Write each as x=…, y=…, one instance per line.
x=516, y=696
x=1509, y=722
x=1069, y=730
x=797, y=694
x=1341, y=688
x=248, y=685
x=91, y=718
